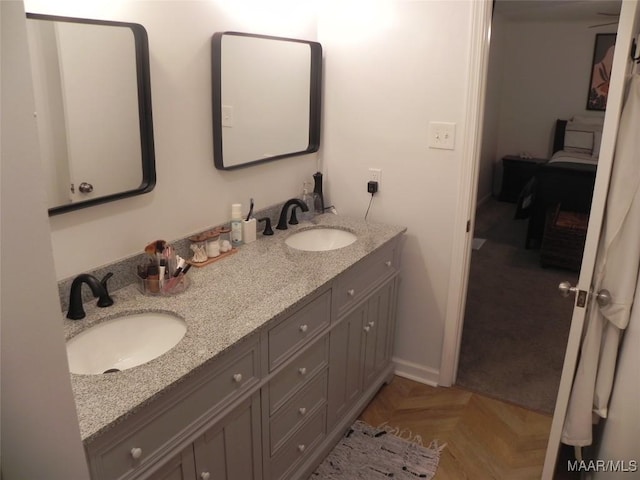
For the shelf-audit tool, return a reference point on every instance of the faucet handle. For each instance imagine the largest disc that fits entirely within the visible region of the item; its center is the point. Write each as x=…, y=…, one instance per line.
x=267, y=228
x=105, y=299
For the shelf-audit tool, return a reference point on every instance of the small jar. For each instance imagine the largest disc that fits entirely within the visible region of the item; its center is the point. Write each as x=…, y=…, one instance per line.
x=213, y=245
x=225, y=240
x=199, y=248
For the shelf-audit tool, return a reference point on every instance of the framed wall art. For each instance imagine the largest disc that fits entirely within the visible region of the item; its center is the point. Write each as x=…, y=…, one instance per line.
x=601, y=71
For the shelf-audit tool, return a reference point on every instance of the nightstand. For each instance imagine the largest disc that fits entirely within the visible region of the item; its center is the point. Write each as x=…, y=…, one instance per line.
x=516, y=172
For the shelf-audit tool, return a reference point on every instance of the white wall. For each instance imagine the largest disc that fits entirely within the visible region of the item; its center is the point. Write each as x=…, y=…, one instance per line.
x=491, y=120
x=40, y=433
x=547, y=67
x=388, y=73
x=538, y=72
x=191, y=194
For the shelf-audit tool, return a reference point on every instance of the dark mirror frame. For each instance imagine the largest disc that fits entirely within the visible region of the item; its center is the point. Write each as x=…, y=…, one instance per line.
x=315, y=99
x=141, y=45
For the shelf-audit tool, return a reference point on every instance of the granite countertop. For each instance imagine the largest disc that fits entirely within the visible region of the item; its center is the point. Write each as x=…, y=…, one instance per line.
x=227, y=302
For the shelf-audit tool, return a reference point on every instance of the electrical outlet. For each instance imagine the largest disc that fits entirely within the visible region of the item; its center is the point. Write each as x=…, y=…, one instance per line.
x=374, y=175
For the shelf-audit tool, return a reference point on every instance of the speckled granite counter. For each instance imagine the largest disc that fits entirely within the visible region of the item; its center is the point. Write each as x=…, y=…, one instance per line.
x=227, y=302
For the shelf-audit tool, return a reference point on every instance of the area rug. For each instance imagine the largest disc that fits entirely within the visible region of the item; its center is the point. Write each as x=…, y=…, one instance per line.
x=371, y=453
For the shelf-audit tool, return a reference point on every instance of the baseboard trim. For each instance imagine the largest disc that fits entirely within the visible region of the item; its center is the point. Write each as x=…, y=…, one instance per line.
x=415, y=372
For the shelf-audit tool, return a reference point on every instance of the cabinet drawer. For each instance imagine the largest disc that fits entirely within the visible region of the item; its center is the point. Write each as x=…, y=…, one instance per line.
x=286, y=337
x=134, y=447
x=296, y=410
x=297, y=373
x=354, y=284
x=299, y=446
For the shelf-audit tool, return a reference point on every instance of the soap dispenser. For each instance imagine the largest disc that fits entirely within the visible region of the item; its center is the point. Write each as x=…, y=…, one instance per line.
x=318, y=199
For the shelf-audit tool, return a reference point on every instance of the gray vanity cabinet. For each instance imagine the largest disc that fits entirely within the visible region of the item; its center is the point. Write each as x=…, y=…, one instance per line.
x=231, y=448
x=272, y=406
x=180, y=467
x=294, y=401
x=138, y=446
x=378, y=332
x=361, y=340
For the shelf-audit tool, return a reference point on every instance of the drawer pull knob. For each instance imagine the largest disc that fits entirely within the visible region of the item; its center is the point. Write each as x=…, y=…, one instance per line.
x=237, y=377
x=367, y=328
x=351, y=292
x=372, y=323
x=301, y=448
x=136, y=453
x=205, y=475
x=304, y=328
x=302, y=371
x=388, y=263
x=302, y=411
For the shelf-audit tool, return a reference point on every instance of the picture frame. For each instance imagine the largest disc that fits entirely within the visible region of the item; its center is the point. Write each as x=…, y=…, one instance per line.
x=601, y=71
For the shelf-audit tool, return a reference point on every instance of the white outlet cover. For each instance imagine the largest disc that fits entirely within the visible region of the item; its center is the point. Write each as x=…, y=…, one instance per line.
x=442, y=135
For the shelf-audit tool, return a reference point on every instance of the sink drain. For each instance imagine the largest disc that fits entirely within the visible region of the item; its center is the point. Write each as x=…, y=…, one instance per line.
x=111, y=370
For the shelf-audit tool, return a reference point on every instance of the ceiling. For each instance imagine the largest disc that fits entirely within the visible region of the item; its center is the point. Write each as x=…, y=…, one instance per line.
x=558, y=10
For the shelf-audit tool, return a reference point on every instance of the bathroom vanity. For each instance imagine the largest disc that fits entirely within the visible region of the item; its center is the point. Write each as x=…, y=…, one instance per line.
x=284, y=348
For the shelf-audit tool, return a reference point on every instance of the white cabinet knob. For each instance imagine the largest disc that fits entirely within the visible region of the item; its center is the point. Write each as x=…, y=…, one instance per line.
x=367, y=328
x=237, y=377
x=351, y=292
x=136, y=453
x=205, y=475
x=388, y=263
x=304, y=328
x=302, y=371
x=302, y=410
x=372, y=323
x=301, y=448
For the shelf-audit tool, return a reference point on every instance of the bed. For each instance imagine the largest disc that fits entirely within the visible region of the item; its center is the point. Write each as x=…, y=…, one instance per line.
x=566, y=181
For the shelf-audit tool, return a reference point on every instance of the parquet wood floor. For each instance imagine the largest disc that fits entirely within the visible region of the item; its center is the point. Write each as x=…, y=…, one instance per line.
x=485, y=438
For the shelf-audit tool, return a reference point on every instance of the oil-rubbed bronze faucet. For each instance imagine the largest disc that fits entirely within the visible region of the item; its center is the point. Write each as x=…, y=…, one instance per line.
x=98, y=288
x=282, y=222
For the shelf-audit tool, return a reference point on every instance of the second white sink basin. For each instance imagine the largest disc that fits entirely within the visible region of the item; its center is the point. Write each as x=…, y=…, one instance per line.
x=320, y=239
x=124, y=342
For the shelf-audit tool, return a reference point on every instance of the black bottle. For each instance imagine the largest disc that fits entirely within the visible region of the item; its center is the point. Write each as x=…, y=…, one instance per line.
x=318, y=199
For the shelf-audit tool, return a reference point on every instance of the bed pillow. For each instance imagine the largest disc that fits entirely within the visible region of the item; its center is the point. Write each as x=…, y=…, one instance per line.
x=579, y=138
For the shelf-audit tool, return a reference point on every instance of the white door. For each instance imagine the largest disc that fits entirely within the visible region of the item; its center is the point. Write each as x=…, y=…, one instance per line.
x=627, y=29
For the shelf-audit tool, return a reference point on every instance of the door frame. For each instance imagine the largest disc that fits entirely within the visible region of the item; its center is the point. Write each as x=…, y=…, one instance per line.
x=481, y=17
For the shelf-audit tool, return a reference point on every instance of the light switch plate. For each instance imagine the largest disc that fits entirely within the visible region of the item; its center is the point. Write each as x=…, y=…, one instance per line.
x=442, y=135
x=227, y=116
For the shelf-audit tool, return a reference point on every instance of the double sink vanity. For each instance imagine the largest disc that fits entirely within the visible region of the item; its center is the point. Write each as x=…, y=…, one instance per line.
x=272, y=354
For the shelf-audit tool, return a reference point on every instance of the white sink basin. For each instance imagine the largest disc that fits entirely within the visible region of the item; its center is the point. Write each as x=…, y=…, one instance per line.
x=320, y=239
x=124, y=342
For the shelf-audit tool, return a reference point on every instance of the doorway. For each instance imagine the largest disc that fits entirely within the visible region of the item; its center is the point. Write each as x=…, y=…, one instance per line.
x=516, y=324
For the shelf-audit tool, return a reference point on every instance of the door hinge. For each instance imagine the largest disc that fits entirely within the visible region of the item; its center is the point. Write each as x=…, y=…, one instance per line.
x=468, y=225
x=582, y=298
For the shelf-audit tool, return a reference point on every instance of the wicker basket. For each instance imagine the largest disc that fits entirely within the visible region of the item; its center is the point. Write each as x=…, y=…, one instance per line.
x=563, y=240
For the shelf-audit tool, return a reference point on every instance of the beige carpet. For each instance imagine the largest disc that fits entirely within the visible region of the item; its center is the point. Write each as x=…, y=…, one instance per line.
x=516, y=324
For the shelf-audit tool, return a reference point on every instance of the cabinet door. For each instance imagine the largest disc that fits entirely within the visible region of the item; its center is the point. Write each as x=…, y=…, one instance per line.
x=231, y=449
x=345, y=364
x=377, y=349
x=180, y=467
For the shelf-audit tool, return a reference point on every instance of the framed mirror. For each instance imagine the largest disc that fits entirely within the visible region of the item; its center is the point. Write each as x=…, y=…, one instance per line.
x=93, y=106
x=266, y=98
